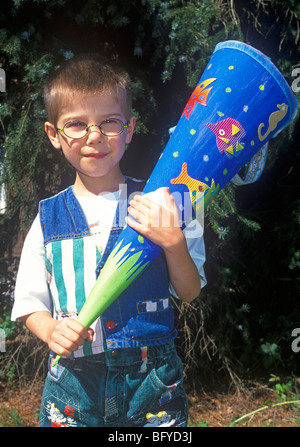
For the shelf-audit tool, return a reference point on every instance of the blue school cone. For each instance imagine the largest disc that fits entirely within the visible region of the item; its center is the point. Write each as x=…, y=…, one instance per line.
x=240, y=102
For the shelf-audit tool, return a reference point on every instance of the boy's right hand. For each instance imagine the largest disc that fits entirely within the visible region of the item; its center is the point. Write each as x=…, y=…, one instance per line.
x=63, y=337
x=67, y=335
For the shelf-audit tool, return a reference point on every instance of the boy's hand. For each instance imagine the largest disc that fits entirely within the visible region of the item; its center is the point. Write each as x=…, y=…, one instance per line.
x=67, y=335
x=63, y=337
x=158, y=223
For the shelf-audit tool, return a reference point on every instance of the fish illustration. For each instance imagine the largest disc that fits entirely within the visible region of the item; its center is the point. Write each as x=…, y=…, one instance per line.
x=229, y=133
x=197, y=189
x=274, y=119
x=199, y=95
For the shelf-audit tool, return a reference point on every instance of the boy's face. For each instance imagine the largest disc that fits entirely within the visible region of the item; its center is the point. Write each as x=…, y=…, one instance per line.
x=95, y=156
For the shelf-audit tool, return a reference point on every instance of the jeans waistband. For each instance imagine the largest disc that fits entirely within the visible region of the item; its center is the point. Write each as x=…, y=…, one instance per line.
x=128, y=356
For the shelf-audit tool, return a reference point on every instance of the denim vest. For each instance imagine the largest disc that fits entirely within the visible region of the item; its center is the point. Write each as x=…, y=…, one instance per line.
x=142, y=314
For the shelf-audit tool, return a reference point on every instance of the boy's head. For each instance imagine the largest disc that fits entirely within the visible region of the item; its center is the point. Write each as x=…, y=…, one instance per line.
x=86, y=75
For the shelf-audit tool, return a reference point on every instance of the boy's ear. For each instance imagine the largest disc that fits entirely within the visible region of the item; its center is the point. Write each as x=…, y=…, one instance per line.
x=52, y=134
x=130, y=129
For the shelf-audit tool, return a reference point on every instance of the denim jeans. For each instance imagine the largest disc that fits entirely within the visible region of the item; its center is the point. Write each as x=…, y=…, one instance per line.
x=134, y=387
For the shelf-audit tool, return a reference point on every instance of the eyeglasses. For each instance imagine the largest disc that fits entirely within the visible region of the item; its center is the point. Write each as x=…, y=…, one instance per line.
x=78, y=129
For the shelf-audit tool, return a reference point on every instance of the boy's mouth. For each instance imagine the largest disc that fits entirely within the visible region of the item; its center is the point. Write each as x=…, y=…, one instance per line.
x=96, y=155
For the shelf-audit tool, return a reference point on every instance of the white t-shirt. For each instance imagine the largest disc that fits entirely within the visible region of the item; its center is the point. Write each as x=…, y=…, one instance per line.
x=31, y=291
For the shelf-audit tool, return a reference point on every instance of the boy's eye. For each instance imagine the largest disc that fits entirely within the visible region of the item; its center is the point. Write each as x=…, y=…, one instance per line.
x=75, y=125
x=111, y=126
x=110, y=121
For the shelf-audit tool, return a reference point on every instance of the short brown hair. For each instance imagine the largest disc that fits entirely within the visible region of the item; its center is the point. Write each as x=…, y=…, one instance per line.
x=85, y=74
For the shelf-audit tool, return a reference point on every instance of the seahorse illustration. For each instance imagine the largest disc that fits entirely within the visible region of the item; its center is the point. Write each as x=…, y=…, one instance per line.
x=274, y=119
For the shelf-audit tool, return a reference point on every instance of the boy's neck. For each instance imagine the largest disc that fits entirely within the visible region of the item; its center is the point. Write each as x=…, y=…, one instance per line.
x=93, y=186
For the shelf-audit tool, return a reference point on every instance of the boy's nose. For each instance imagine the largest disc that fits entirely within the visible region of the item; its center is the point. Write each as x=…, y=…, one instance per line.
x=94, y=133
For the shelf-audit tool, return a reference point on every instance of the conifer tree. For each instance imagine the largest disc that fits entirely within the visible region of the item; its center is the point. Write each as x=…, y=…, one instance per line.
x=165, y=45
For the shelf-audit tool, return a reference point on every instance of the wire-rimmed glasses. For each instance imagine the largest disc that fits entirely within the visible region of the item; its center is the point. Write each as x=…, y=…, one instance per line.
x=78, y=129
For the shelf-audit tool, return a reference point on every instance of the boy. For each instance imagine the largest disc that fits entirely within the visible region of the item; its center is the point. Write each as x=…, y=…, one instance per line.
x=103, y=380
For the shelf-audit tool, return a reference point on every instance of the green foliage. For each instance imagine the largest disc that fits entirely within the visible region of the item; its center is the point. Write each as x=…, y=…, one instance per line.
x=271, y=354
x=286, y=388
x=195, y=423
x=223, y=215
x=11, y=418
x=187, y=45
x=251, y=233
x=264, y=408
x=8, y=326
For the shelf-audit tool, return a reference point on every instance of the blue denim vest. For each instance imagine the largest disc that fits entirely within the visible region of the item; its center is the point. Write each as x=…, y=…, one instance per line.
x=142, y=314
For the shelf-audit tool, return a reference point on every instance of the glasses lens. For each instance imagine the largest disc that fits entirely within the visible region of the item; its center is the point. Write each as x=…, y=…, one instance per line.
x=78, y=129
x=111, y=127
x=75, y=129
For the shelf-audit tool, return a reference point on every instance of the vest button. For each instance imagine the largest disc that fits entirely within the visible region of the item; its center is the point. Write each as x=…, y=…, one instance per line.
x=110, y=324
x=115, y=354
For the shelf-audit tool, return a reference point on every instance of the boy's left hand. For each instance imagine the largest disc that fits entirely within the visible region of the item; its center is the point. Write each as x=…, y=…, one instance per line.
x=160, y=224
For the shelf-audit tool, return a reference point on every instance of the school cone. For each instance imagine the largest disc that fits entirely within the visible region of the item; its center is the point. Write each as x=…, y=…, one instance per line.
x=240, y=102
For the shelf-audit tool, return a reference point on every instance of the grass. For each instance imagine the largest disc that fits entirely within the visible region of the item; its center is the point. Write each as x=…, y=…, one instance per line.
x=265, y=407
x=10, y=417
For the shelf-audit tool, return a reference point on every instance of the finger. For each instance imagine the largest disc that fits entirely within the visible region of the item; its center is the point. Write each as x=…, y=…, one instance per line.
x=77, y=327
x=142, y=199
x=59, y=350
x=172, y=205
x=90, y=336
x=141, y=204
x=134, y=224
x=72, y=331
x=141, y=213
x=71, y=339
x=147, y=206
x=138, y=227
x=170, y=202
x=62, y=345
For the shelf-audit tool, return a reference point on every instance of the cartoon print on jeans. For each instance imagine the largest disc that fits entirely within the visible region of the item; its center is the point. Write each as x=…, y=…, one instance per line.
x=58, y=419
x=161, y=419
